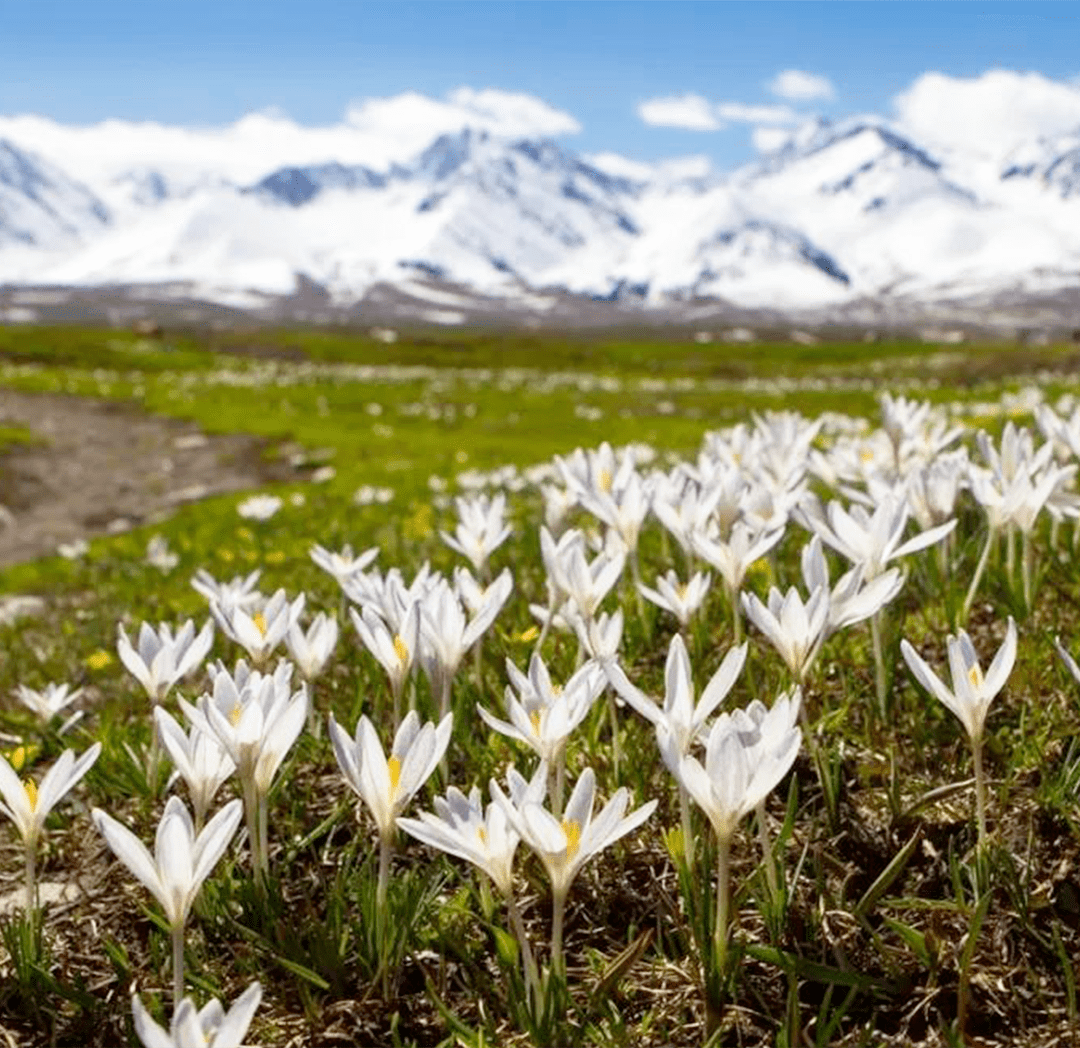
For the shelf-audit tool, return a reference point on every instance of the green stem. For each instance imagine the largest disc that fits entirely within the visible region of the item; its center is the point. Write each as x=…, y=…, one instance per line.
x=177, y=965
x=687, y=827
x=881, y=683
x=616, y=747
x=558, y=910
x=251, y=820
x=264, y=834
x=766, y=848
x=980, y=790
x=723, y=901
x=1025, y=567
x=532, y=976
x=977, y=577
x=31, y=880
x=386, y=848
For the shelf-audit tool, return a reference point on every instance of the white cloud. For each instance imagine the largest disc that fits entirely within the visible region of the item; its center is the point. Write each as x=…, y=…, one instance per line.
x=800, y=86
x=989, y=114
x=770, y=139
x=737, y=111
x=689, y=112
x=503, y=112
x=374, y=131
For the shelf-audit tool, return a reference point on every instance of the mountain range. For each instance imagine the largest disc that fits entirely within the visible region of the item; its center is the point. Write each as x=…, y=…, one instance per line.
x=845, y=215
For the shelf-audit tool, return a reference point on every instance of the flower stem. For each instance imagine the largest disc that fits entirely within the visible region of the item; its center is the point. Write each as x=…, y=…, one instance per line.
x=31, y=881
x=977, y=577
x=687, y=827
x=264, y=843
x=766, y=848
x=723, y=900
x=880, y=681
x=1026, y=557
x=532, y=976
x=386, y=849
x=558, y=910
x=980, y=790
x=177, y=965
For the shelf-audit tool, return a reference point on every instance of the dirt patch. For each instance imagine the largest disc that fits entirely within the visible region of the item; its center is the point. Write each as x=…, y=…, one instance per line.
x=100, y=466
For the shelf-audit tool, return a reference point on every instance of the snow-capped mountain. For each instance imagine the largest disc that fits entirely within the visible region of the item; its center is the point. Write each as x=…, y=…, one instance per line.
x=40, y=206
x=841, y=213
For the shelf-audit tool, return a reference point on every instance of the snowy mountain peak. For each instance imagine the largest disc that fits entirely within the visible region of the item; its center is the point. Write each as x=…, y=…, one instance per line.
x=40, y=205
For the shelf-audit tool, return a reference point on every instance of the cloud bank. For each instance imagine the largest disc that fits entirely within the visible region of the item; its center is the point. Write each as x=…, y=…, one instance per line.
x=988, y=115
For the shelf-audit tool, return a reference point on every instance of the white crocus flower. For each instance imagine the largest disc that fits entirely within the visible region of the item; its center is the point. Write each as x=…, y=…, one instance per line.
x=543, y=715
x=564, y=844
x=262, y=629
x=867, y=539
x=732, y=558
x=311, y=649
x=852, y=599
x=1070, y=662
x=481, y=528
x=600, y=637
x=681, y=600
x=796, y=630
x=256, y=718
x=50, y=701
x=200, y=759
x=462, y=827
x=239, y=591
x=396, y=652
x=191, y=1027
x=163, y=657
x=588, y=583
x=344, y=565
x=970, y=695
x=680, y=716
x=746, y=757
x=387, y=784
x=28, y=805
x=180, y=863
x=446, y=635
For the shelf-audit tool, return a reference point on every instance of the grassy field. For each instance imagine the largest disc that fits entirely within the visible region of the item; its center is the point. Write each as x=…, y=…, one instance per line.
x=877, y=917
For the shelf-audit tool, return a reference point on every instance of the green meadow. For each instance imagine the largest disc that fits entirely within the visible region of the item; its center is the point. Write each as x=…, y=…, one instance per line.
x=878, y=916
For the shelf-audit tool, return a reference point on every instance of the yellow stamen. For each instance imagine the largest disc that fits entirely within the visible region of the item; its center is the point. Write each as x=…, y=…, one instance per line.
x=604, y=480
x=236, y=713
x=260, y=622
x=572, y=829
x=535, y=718
x=866, y=455
x=393, y=766
x=31, y=792
x=401, y=649
x=556, y=689
x=18, y=758
x=482, y=834
x=975, y=677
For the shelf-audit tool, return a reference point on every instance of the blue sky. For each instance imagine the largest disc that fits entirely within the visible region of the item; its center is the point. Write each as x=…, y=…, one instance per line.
x=210, y=63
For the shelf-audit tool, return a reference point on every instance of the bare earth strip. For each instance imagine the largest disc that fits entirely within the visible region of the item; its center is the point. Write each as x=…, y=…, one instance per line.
x=99, y=466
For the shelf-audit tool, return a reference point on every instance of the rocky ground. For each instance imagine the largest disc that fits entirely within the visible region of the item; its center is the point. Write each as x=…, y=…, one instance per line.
x=98, y=466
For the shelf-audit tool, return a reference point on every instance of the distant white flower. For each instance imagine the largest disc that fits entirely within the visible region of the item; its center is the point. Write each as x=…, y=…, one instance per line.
x=158, y=554
x=311, y=650
x=673, y=596
x=200, y=759
x=237, y=592
x=259, y=507
x=50, y=701
x=163, y=657
x=73, y=550
x=481, y=528
x=345, y=564
x=260, y=631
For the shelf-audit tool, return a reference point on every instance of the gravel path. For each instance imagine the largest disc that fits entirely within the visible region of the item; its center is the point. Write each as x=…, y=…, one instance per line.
x=99, y=466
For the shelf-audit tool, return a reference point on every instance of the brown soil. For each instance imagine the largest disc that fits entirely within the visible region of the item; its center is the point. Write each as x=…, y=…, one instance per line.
x=99, y=466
